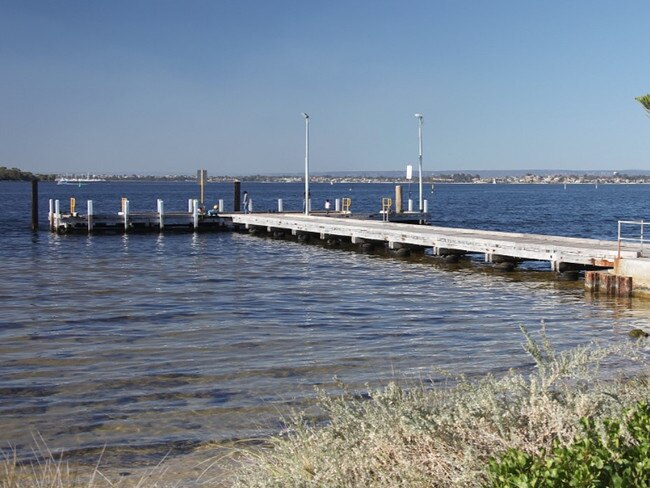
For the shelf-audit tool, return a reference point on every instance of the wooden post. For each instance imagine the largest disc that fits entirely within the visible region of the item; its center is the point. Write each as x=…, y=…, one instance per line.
x=592, y=281
x=624, y=286
x=35, y=204
x=399, y=206
x=237, y=197
x=202, y=175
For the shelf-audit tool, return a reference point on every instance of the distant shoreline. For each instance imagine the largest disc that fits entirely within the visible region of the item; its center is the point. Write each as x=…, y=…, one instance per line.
x=15, y=174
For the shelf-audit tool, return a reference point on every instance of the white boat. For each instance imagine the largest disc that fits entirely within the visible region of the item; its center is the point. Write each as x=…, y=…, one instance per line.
x=76, y=180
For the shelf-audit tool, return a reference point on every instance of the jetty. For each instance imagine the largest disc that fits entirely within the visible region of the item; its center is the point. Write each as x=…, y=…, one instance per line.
x=612, y=267
x=616, y=268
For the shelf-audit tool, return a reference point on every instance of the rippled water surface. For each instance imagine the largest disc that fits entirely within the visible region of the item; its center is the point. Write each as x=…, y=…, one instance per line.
x=178, y=339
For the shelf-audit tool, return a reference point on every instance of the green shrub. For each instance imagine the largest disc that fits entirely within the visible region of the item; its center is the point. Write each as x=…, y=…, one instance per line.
x=617, y=457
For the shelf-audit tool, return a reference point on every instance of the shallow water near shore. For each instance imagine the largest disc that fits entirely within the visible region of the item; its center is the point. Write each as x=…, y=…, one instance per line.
x=146, y=343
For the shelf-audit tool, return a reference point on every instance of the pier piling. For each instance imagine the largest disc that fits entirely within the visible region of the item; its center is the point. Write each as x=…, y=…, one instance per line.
x=236, y=207
x=399, y=205
x=35, y=204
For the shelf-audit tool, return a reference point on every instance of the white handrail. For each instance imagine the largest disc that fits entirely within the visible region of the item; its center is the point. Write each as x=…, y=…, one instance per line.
x=641, y=224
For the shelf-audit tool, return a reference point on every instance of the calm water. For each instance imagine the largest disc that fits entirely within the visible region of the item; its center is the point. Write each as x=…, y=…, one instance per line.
x=150, y=342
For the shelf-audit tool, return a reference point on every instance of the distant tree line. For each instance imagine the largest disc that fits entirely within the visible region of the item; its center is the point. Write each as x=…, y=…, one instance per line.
x=15, y=174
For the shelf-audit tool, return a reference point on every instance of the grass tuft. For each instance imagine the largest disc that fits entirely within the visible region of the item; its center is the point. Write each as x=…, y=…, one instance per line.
x=444, y=436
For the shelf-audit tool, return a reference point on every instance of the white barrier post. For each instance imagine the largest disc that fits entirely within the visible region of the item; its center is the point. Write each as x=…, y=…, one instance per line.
x=126, y=215
x=161, y=214
x=50, y=215
x=280, y=205
x=57, y=214
x=337, y=205
x=195, y=213
x=90, y=211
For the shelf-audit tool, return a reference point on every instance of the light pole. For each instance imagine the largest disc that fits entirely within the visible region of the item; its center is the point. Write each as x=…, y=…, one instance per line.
x=419, y=117
x=306, y=162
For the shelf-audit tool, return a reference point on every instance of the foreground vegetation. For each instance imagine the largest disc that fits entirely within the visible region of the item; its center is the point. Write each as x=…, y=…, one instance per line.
x=566, y=423
x=447, y=436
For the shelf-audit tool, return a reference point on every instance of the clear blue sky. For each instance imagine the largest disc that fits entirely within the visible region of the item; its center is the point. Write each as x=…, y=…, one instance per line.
x=170, y=86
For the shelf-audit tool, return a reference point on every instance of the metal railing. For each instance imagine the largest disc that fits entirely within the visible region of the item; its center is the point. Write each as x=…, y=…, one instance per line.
x=641, y=224
x=386, y=204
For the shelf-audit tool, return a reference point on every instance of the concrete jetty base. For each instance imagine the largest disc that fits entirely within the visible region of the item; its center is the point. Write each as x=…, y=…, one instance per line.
x=639, y=272
x=608, y=283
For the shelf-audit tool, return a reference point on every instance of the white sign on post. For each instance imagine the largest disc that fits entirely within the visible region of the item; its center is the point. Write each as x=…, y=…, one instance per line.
x=409, y=171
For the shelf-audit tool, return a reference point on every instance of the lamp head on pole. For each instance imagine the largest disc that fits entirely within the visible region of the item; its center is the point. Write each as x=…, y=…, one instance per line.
x=306, y=116
x=419, y=116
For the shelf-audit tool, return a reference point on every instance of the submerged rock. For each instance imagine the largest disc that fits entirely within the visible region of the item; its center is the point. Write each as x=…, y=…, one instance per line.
x=638, y=334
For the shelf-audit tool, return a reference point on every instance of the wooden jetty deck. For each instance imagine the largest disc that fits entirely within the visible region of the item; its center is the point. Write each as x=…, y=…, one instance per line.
x=554, y=249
